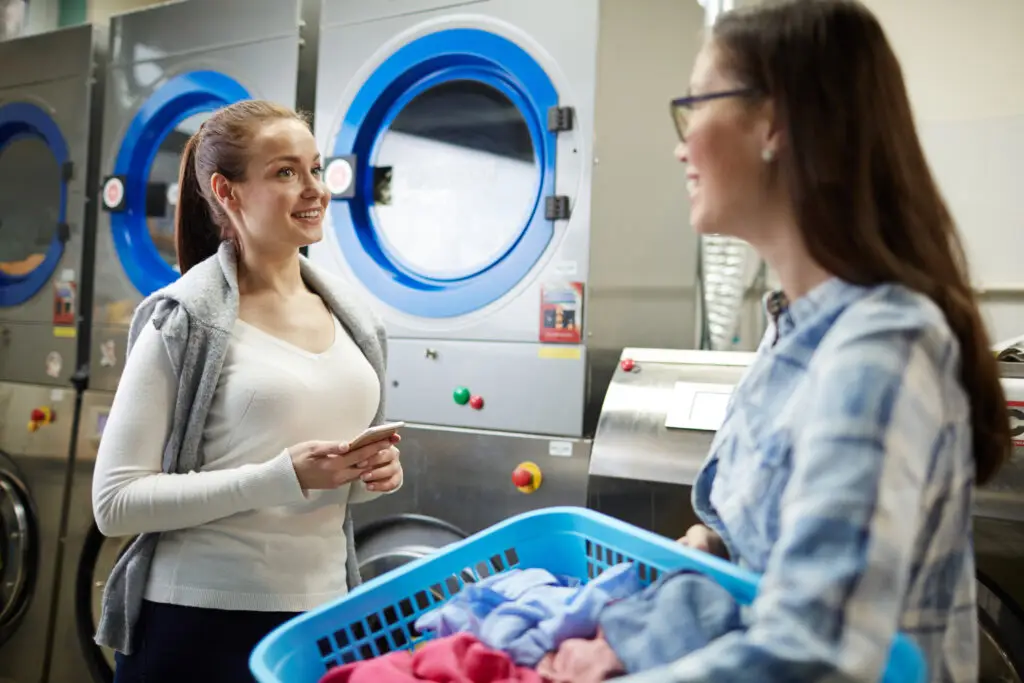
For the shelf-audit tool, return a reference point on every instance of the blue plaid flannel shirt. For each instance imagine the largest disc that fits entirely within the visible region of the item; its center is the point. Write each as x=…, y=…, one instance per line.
x=844, y=474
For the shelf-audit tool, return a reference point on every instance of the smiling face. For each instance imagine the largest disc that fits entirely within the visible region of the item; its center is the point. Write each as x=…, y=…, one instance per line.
x=726, y=174
x=280, y=204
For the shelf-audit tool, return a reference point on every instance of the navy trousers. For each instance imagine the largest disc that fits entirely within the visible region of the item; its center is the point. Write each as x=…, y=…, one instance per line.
x=178, y=644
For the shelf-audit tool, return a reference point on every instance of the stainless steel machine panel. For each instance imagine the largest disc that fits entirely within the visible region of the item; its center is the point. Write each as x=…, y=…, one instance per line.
x=33, y=469
x=517, y=387
x=464, y=476
x=256, y=43
x=51, y=72
x=633, y=439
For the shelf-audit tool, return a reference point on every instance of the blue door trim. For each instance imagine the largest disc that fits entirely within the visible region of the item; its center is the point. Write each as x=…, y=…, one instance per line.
x=453, y=54
x=23, y=120
x=176, y=100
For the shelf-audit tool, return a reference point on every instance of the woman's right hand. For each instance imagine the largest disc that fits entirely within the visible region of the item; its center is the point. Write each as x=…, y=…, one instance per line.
x=329, y=464
x=700, y=537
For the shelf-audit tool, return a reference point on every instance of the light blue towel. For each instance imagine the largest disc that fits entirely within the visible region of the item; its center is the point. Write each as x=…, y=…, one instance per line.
x=528, y=613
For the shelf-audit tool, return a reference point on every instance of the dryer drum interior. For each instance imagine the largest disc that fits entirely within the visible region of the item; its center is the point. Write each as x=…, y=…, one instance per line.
x=19, y=548
x=33, y=200
x=1001, y=630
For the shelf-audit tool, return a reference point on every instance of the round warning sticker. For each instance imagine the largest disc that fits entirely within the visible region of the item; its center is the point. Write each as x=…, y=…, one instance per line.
x=113, y=193
x=172, y=194
x=338, y=176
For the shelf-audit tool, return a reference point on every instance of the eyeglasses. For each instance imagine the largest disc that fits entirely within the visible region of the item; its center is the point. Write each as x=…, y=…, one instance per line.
x=682, y=107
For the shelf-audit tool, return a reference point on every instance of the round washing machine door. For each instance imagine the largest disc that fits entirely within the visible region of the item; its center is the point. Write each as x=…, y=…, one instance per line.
x=142, y=193
x=442, y=173
x=391, y=542
x=1001, y=629
x=19, y=548
x=99, y=555
x=33, y=200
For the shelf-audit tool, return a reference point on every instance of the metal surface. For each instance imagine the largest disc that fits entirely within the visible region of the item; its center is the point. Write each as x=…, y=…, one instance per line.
x=590, y=51
x=255, y=43
x=88, y=558
x=33, y=469
x=53, y=71
x=464, y=477
x=632, y=441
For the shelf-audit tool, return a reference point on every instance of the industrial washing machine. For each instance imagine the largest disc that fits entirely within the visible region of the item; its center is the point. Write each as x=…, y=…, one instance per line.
x=655, y=430
x=45, y=105
x=461, y=141
x=170, y=66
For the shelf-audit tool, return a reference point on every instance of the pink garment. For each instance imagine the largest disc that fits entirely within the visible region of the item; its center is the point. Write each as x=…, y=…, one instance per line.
x=460, y=658
x=579, y=660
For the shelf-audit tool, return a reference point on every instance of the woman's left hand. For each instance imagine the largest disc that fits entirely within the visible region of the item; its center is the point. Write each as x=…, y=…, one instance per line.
x=385, y=468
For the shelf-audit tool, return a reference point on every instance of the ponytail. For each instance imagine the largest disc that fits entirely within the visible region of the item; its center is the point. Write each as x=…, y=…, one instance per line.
x=196, y=235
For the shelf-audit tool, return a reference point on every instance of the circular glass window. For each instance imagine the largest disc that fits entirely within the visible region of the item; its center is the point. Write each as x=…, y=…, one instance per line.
x=455, y=180
x=162, y=186
x=29, y=204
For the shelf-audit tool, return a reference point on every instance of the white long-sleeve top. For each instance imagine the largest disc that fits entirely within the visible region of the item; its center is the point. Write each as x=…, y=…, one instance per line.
x=241, y=533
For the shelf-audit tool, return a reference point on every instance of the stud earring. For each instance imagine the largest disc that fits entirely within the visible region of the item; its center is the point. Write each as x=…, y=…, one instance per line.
x=767, y=156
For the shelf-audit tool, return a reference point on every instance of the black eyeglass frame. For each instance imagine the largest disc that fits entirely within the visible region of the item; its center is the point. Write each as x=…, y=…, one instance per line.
x=683, y=104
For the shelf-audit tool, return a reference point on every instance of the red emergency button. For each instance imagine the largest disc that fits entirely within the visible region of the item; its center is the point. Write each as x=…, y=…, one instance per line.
x=476, y=402
x=39, y=417
x=627, y=365
x=527, y=477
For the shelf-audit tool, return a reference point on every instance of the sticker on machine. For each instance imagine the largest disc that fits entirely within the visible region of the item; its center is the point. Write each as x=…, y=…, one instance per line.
x=561, y=313
x=1016, y=410
x=65, y=302
x=53, y=364
x=113, y=193
x=338, y=176
x=108, y=354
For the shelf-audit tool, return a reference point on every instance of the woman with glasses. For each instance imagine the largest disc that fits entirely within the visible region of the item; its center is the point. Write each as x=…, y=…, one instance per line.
x=845, y=466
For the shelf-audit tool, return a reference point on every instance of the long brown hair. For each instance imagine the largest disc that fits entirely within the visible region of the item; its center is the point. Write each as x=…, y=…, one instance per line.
x=867, y=205
x=219, y=146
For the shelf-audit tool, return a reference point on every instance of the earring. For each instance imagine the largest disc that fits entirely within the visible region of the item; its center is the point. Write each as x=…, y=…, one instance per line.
x=767, y=156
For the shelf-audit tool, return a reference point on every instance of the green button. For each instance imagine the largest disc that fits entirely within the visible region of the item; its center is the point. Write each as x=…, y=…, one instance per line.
x=461, y=396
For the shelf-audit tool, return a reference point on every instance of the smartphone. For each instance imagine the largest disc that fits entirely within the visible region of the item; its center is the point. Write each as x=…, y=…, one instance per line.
x=378, y=433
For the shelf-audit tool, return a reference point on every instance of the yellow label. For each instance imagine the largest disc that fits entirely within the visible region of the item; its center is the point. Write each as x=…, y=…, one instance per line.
x=64, y=332
x=559, y=352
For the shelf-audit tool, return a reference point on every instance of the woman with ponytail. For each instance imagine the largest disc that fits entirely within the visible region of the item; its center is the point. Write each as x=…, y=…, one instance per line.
x=844, y=469
x=226, y=449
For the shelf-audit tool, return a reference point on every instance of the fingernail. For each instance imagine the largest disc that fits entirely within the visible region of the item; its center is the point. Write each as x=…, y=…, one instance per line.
x=363, y=464
x=366, y=477
x=370, y=487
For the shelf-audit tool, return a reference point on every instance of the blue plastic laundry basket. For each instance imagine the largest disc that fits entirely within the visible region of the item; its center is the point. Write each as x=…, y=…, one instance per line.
x=379, y=616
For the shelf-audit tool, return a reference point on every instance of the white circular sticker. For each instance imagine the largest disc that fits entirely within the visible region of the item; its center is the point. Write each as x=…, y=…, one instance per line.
x=113, y=193
x=338, y=176
x=172, y=194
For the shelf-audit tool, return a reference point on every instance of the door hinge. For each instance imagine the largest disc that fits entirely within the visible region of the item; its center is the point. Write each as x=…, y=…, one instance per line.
x=560, y=119
x=556, y=208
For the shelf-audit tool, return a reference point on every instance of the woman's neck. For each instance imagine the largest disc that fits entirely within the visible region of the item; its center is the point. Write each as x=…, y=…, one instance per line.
x=261, y=273
x=780, y=243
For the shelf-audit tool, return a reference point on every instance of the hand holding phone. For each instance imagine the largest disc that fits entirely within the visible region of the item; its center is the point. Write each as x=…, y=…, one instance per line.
x=373, y=434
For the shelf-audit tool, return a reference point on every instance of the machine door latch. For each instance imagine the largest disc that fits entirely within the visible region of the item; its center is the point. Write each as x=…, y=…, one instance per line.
x=556, y=208
x=63, y=232
x=67, y=171
x=560, y=119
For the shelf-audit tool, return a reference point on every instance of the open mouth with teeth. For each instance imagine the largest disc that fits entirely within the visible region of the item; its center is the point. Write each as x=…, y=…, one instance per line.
x=310, y=215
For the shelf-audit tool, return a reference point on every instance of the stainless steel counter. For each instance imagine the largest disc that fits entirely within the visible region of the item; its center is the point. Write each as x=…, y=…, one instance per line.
x=660, y=415
x=664, y=386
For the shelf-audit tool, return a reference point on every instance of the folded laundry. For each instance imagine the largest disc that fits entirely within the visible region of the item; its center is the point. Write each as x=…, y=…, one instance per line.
x=457, y=659
x=673, y=617
x=528, y=613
